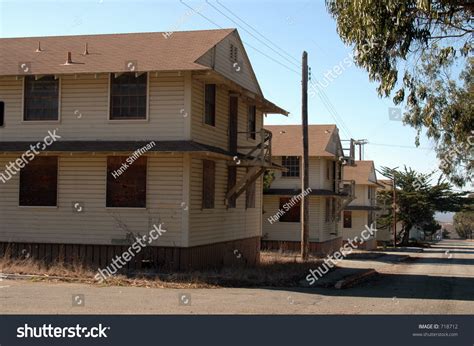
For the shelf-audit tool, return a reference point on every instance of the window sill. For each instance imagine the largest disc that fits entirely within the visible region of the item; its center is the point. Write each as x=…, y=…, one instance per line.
x=127, y=208
x=37, y=207
x=36, y=122
x=127, y=121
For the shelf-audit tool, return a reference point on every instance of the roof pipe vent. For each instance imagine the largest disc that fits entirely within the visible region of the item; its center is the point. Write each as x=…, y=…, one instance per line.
x=86, y=49
x=38, y=50
x=69, y=59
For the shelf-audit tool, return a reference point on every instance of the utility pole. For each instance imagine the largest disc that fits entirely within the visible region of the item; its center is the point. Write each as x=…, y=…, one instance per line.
x=305, y=175
x=394, y=209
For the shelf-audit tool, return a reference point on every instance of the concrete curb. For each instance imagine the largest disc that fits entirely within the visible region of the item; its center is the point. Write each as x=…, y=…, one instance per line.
x=354, y=279
x=29, y=277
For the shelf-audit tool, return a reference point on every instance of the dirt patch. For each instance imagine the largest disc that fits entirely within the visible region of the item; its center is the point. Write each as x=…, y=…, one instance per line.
x=274, y=270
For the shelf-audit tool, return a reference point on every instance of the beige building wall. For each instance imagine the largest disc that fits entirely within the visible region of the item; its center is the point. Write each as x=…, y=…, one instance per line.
x=82, y=178
x=221, y=223
x=84, y=110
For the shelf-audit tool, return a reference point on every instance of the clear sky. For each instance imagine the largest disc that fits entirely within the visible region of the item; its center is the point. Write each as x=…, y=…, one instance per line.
x=351, y=99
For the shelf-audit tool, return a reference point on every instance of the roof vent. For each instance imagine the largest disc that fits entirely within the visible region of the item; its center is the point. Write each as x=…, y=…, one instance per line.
x=69, y=59
x=86, y=49
x=38, y=50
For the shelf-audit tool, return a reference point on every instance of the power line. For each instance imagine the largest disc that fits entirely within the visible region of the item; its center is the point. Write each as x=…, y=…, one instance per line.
x=261, y=35
x=269, y=57
x=324, y=98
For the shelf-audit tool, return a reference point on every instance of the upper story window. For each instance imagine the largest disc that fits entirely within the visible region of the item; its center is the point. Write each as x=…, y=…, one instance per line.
x=293, y=165
x=41, y=98
x=128, y=96
x=252, y=122
x=210, y=105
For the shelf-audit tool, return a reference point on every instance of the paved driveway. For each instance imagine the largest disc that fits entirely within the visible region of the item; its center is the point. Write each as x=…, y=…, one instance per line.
x=439, y=280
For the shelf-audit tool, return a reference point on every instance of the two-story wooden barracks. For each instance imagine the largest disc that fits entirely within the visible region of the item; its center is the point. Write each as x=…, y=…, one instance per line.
x=193, y=94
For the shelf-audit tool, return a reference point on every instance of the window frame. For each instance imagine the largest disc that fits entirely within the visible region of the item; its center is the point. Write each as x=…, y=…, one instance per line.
x=283, y=174
x=109, y=99
x=111, y=177
x=204, y=201
x=23, y=109
x=252, y=133
x=286, y=213
x=214, y=125
x=57, y=188
x=2, y=113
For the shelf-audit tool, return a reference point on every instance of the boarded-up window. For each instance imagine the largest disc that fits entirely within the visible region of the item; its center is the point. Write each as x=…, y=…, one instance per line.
x=208, y=184
x=126, y=186
x=128, y=96
x=347, y=219
x=2, y=113
x=250, y=195
x=39, y=182
x=231, y=181
x=210, y=105
x=292, y=163
x=291, y=210
x=41, y=98
x=328, y=209
x=252, y=122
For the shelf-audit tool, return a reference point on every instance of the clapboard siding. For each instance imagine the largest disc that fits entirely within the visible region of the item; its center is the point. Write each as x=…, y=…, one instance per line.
x=219, y=59
x=83, y=179
x=221, y=224
x=84, y=111
x=218, y=135
x=319, y=229
x=317, y=175
x=359, y=221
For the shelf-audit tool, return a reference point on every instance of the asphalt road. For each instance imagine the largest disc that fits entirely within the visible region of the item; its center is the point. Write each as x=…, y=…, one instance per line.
x=439, y=280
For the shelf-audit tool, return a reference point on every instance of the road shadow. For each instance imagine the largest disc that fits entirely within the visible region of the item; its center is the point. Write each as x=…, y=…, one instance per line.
x=402, y=286
x=445, y=260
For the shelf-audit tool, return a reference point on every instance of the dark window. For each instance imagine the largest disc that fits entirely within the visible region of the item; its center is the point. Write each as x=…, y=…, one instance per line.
x=128, y=96
x=329, y=209
x=292, y=211
x=250, y=195
x=252, y=122
x=39, y=182
x=208, y=184
x=210, y=105
x=293, y=165
x=41, y=98
x=126, y=187
x=231, y=181
x=2, y=113
x=347, y=219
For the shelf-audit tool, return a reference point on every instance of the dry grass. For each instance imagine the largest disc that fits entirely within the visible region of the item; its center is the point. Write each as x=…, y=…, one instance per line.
x=274, y=270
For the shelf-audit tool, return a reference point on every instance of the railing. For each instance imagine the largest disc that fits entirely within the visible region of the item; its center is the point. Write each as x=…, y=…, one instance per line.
x=346, y=187
x=260, y=154
x=348, y=149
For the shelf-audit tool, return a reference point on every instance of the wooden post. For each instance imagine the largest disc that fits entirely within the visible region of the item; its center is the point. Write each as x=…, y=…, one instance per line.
x=305, y=164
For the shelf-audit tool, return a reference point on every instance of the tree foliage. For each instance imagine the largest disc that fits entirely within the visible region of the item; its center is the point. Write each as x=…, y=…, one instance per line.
x=417, y=201
x=464, y=224
x=412, y=49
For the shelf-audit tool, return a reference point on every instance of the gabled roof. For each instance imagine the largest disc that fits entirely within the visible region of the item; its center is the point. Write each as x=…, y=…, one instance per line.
x=287, y=140
x=363, y=173
x=153, y=51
